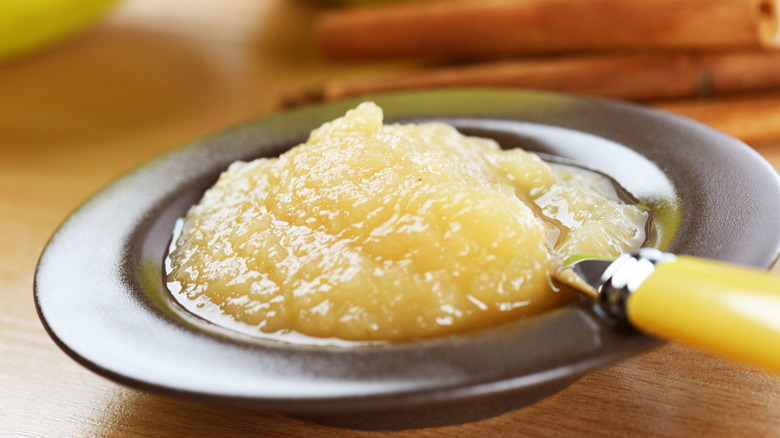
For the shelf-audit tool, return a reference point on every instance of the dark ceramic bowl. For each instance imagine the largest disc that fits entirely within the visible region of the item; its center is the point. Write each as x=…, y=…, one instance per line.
x=100, y=288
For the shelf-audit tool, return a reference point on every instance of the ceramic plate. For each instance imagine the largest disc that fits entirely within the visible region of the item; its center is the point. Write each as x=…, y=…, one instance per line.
x=101, y=294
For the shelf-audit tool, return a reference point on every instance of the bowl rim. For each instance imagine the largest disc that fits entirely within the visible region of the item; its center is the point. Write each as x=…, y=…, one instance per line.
x=100, y=294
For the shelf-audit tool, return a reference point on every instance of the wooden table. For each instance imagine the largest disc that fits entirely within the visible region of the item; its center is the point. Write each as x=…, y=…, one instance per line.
x=157, y=74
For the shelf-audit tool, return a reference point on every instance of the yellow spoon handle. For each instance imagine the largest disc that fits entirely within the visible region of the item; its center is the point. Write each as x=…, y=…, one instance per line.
x=727, y=310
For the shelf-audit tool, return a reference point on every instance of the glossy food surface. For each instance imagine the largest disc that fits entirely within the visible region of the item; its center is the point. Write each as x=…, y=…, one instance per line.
x=392, y=232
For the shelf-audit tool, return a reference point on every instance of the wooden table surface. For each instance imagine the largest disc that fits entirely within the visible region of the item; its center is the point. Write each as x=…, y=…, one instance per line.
x=156, y=74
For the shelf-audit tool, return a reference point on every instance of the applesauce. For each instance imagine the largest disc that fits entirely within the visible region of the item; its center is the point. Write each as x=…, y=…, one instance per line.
x=374, y=232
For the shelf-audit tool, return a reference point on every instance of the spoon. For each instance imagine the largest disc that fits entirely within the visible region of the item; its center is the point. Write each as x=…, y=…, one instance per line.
x=729, y=310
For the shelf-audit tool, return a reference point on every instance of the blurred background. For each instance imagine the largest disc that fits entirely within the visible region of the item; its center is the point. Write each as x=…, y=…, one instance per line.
x=89, y=89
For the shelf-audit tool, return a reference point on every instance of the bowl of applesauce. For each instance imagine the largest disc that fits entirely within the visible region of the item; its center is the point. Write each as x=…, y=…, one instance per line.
x=384, y=263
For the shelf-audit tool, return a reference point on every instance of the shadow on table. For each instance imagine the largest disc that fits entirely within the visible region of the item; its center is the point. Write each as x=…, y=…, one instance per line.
x=673, y=391
x=131, y=413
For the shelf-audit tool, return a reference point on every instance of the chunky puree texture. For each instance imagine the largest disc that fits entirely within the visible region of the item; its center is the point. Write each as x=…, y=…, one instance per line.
x=392, y=232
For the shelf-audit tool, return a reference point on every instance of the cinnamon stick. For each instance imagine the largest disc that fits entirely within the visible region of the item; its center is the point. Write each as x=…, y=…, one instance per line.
x=752, y=118
x=490, y=28
x=638, y=77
